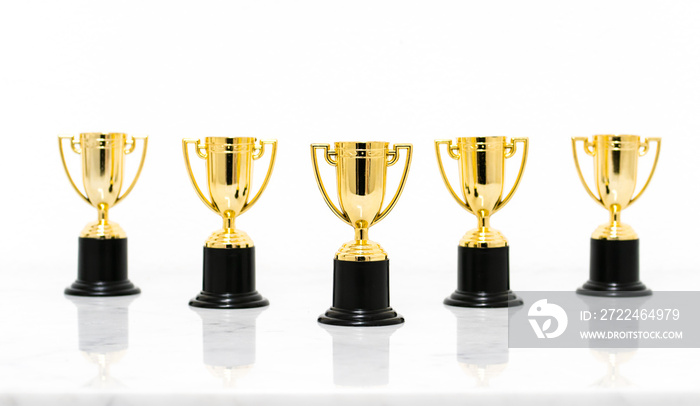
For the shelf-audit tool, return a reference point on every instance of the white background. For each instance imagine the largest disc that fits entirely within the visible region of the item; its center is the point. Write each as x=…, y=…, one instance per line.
x=304, y=72
x=325, y=71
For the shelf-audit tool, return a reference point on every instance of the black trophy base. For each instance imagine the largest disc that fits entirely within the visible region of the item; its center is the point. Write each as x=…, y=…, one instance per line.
x=614, y=270
x=483, y=279
x=210, y=300
x=229, y=280
x=593, y=288
x=102, y=269
x=361, y=318
x=483, y=299
x=81, y=288
x=360, y=295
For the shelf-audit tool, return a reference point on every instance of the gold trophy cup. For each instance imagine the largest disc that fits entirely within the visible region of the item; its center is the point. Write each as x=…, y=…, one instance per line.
x=361, y=266
x=614, y=263
x=102, y=246
x=483, y=276
x=229, y=254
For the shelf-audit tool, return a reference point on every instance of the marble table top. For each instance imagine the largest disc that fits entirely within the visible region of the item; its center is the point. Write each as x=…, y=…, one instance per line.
x=154, y=348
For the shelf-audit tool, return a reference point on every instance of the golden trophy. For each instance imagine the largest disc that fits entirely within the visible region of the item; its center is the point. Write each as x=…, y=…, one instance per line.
x=361, y=266
x=483, y=275
x=102, y=246
x=229, y=254
x=614, y=263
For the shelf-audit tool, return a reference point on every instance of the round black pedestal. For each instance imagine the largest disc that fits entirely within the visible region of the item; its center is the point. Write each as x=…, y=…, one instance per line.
x=614, y=270
x=229, y=280
x=102, y=269
x=361, y=295
x=483, y=279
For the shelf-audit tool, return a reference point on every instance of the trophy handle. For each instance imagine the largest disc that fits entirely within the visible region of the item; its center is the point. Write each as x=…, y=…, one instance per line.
x=130, y=147
x=75, y=146
x=589, y=148
x=643, y=152
x=511, y=149
x=394, y=153
x=327, y=155
x=259, y=152
x=202, y=153
x=452, y=151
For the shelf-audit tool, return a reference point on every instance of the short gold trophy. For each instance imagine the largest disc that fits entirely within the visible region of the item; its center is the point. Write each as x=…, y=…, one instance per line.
x=614, y=263
x=102, y=246
x=361, y=266
x=229, y=254
x=483, y=275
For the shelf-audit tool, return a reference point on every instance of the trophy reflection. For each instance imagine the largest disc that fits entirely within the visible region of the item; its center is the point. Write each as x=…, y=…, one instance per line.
x=482, y=342
x=361, y=355
x=229, y=254
x=483, y=275
x=103, y=334
x=102, y=246
x=614, y=261
x=229, y=342
x=361, y=266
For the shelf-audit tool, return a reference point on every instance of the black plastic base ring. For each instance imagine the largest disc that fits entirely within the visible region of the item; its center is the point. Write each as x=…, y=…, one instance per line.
x=361, y=295
x=102, y=269
x=483, y=299
x=361, y=318
x=593, y=288
x=614, y=270
x=81, y=288
x=483, y=279
x=210, y=300
x=229, y=280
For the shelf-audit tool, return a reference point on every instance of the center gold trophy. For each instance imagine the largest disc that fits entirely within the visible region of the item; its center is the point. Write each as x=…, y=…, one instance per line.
x=102, y=246
x=483, y=275
x=229, y=254
x=614, y=258
x=361, y=266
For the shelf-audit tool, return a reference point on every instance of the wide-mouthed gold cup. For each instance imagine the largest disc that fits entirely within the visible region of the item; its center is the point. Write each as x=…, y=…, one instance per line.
x=614, y=254
x=361, y=266
x=103, y=158
x=102, y=246
x=229, y=163
x=483, y=264
x=361, y=169
x=615, y=159
x=481, y=163
x=229, y=254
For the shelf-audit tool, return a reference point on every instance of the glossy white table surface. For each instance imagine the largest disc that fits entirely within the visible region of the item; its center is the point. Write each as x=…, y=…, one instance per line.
x=154, y=348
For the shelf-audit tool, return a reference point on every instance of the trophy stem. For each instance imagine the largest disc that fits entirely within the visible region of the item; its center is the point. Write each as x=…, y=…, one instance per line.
x=615, y=215
x=102, y=215
x=361, y=233
x=229, y=220
x=484, y=220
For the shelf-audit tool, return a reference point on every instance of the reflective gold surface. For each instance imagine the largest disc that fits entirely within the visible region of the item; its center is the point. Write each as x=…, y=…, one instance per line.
x=103, y=170
x=229, y=163
x=361, y=178
x=481, y=163
x=615, y=160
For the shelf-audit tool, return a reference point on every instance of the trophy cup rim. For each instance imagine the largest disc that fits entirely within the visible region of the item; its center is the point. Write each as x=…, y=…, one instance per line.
x=621, y=141
x=490, y=140
x=626, y=137
x=94, y=135
x=229, y=140
x=344, y=144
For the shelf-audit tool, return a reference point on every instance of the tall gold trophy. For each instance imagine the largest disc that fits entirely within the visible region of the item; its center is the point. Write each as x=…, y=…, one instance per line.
x=229, y=254
x=361, y=266
x=483, y=275
x=614, y=263
x=102, y=246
